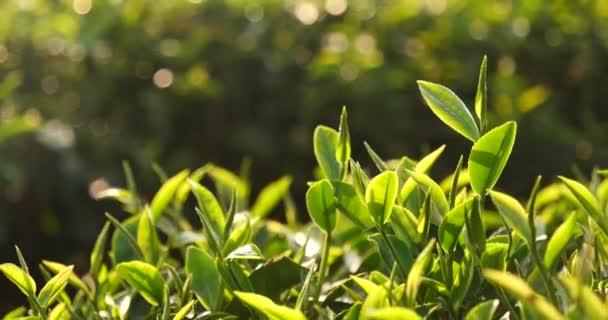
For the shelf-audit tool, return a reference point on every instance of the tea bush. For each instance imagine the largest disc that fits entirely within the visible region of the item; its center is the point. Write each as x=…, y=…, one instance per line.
x=391, y=243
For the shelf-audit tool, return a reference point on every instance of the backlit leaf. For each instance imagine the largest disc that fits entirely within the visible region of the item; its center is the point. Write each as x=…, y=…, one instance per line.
x=321, y=205
x=483, y=311
x=165, y=194
x=22, y=280
x=145, y=278
x=452, y=224
x=586, y=199
x=206, y=279
x=559, y=240
x=211, y=210
x=54, y=286
x=325, y=148
x=270, y=196
x=268, y=308
x=380, y=196
x=481, y=98
x=514, y=214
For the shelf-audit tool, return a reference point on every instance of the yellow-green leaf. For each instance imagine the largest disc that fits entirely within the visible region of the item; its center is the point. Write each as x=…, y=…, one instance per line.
x=22, y=280
x=380, y=196
x=211, y=210
x=586, y=199
x=145, y=278
x=270, y=196
x=325, y=147
x=321, y=205
x=54, y=286
x=165, y=194
x=559, y=240
x=268, y=308
x=391, y=313
x=483, y=311
x=514, y=214
x=481, y=98
x=206, y=278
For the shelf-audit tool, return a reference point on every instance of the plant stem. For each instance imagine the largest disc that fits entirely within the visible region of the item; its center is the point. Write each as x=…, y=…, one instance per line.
x=543, y=273
x=324, y=265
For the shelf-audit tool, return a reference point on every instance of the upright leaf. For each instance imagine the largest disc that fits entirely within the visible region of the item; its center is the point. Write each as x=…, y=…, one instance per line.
x=559, y=240
x=481, y=98
x=423, y=166
x=592, y=305
x=270, y=196
x=351, y=205
x=438, y=198
x=147, y=238
x=414, y=278
x=393, y=313
x=380, y=196
x=321, y=205
x=449, y=108
x=452, y=224
x=489, y=156
x=54, y=287
x=325, y=141
x=268, y=308
x=522, y=291
x=483, y=311
x=206, y=278
x=211, y=210
x=22, y=280
x=145, y=278
x=586, y=199
x=165, y=194
x=343, y=147
x=98, y=252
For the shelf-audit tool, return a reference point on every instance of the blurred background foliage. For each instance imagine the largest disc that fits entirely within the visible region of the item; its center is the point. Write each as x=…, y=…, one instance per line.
x=85, y=84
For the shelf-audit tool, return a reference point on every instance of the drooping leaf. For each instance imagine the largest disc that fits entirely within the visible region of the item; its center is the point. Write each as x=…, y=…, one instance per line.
x=489, y=156
x=514, y=214
x=481, y=98
x=452, y=224
x=268, y=308
x=206, y=278
x=22, y=280
x=586, y=199
x=147, y=238
x=325, y=148
x=321, y=205
x=393, y=313
x=483, y=311
x=449, y=108
x=351, y=205
x=211, y=210
x=559, y=240
x=380, y=196
x=145, y=278
x=520, y=289
x=54, y=286
x=414, y=278
x=165, y=194
x=270, y=196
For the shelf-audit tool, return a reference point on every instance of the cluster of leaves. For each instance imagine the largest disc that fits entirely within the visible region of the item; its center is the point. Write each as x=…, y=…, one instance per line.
x=395, y=245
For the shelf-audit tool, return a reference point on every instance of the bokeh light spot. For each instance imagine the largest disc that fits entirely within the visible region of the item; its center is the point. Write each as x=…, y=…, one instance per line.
x=306, y=12
x=163, y=78
x=82, y=7
x=336, y=7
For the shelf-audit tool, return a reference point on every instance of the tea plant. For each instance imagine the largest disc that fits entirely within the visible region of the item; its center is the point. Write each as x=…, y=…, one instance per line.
x=389, y=243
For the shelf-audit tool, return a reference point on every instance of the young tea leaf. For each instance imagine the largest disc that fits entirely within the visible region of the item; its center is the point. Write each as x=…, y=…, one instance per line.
x=73, y=279
x=489, y=156
x=514, y=214
x=268, y=308
x=240, y=236
x=211, y=210
x=559, y=240
x=449, y=108
x=483, y=311
x=351, y=205
x=393, y=313
x=54, y=287
x=321, y=205
x=183, y=311
x=452, y=224
x=165, y=194
x=98, y=252
x=343, y=147
x=206, y=278
x=414, y=278
x=147, y=238
x=270, y=196
x=522, y=291
x=380, y=196
x=145, y=278
x=423, y=166
x=22, y=280
x=586, y=199
x=325, y=148
x=481, y=98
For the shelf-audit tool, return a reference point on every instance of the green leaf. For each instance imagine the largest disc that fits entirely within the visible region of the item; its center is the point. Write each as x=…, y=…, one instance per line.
x=124, y=246
x=73, y=279
x=351, y=205
x=268, y=308
x=376, y=299
x=145, y=278
x=475, y=232
x=586, y=199
x=423, y=166
x=98, y=252
x=414, y=278
x=183, y=311
x=514, y=214
x=481, y=98
x=449, y=108
x=238, y=237
x=559, y=240
x=380, y=164
x=165, y=194
x=405, y=254
x=483, y=311
x=489, y=156
x=522, y=291
x=393, y=313
x=593, y=306
x=321, y=205
x=206, y=278
x=325, y=148
x=438, y=199
x=380, y=196
x=246, y=252
x=343, y=147
x=405, y=224
x=270, y=196
x=16, y=313
x=22, y=280
x=360, y=179
x=494, y=257
x=452, y=224
x=227, y=182
x=276, y=276
x=147, y=238
x=211, y=210
x=54, y=287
